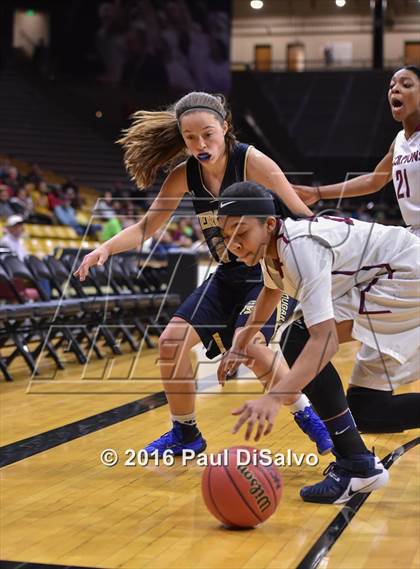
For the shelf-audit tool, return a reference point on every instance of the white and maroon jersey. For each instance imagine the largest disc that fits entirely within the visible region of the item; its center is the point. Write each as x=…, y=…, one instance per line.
x=347, y=269
x=406, y=176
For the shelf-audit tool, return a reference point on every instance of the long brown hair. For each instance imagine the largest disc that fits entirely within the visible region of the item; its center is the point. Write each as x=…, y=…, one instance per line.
x=154, y=139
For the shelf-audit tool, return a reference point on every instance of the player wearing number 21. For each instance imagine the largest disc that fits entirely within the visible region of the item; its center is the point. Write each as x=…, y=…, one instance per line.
x=402, y=162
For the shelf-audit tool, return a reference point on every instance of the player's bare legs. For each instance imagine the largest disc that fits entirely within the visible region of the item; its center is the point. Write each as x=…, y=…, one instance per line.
x=176, y=370
x=178, y=379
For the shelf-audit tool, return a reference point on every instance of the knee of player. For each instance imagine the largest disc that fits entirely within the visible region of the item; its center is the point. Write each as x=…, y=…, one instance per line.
x=169, y=344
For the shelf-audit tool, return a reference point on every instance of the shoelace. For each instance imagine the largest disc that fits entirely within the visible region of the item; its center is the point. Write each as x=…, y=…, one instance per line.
x=166, y=436
x=328, y=469
x=335, y=467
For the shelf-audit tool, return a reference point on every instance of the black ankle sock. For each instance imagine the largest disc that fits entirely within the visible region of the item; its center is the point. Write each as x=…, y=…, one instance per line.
x=189, y=432
x=345, y=436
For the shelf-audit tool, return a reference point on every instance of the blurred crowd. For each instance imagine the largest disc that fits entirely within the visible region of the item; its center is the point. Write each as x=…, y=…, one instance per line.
x=115, y=212
x=174, y=45
x=360, y=208
x=28, y=198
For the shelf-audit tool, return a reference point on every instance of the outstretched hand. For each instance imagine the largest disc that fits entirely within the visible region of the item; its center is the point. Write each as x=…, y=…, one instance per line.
x=260, y=411
x=96, y=257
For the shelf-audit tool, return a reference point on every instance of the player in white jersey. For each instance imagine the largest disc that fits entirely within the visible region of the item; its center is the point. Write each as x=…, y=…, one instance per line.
x=378, y=409
x=354, y=280
x=402, y=163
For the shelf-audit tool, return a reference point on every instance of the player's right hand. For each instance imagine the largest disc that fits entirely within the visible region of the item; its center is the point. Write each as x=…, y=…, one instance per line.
x=308, y=194
x=96, y=257
x=260, y=412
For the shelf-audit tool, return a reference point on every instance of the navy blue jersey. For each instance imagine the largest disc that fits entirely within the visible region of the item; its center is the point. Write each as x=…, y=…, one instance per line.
x=206, y=208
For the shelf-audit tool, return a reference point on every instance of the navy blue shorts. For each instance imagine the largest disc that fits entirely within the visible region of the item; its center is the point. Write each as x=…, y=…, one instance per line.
x=218, y=307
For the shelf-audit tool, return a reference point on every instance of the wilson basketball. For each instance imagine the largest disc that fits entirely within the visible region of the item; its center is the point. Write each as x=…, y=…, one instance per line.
x=240, y=489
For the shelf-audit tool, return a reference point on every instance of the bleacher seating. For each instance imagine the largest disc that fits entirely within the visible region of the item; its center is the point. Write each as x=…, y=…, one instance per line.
x=117, y=303
x=41, y=240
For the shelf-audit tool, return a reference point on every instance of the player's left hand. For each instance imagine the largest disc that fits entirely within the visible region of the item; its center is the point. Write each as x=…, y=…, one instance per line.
x=230, y=363
x=260, y=411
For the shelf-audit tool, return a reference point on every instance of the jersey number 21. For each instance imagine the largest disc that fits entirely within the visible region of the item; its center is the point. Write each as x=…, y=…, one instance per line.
x=403, y=190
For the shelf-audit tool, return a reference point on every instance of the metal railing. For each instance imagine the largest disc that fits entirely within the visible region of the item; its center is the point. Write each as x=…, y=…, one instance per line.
x=311, y=65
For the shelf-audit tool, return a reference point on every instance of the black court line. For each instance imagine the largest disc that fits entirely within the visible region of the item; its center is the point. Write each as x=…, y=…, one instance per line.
x=325, y=542
x=14, y=452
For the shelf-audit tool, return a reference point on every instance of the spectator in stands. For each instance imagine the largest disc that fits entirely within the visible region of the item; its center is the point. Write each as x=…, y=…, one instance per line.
x=66, y=215
x=111, y=226
x=12, y=239
x=187, y=228
x=42, y=212
x=35, y=174
x=22, y=203
x=12, y=178
x=5, y=208
x=5, y=164
x=104, y=207
x=55, y=197
x=72, y=189
x=111, y=223
x=130, y=214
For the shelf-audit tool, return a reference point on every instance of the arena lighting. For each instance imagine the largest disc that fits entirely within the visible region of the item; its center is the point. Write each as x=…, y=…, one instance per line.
x=256, y=4
x=340, y=3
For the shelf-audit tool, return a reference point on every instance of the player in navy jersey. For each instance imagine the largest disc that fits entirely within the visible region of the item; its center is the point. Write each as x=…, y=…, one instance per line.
x=198, y=128
x=379, y=410
x=371, y=297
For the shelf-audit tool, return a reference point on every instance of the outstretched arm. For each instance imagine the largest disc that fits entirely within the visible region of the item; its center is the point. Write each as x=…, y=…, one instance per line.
x=319, y=349
x=134, y=236
x=359, y=186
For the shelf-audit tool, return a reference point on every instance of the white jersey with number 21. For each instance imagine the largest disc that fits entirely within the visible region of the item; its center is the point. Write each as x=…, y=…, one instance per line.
x=406, y=176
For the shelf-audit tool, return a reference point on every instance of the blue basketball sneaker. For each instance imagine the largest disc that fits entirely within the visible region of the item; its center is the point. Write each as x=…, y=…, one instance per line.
x=173, y=442
x=346, y=477
x=312, y=425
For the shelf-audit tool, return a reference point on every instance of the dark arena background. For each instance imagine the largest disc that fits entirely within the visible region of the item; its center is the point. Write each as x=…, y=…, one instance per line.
x=80, y=369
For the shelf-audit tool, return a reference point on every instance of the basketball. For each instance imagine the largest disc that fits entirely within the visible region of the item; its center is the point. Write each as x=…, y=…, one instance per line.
x=241, y=493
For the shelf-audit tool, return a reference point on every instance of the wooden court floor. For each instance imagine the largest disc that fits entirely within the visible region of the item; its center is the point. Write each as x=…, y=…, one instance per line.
x=61, y=506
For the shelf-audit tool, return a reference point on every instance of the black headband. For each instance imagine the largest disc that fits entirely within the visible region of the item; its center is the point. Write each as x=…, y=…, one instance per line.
x=201, y=107
x=255, y=207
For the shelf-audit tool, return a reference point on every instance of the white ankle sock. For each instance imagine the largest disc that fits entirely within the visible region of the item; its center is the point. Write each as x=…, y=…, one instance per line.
x=300, y=404
x=185, y=419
